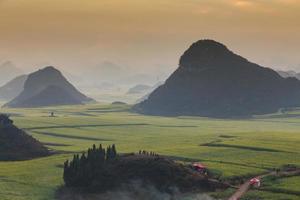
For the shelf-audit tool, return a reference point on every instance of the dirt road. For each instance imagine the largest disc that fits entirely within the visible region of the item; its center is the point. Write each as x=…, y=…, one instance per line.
x=243, y=189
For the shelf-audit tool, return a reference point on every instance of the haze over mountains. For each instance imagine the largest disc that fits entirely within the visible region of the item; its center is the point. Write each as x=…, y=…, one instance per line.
x=112, y=76
x=8, y=72
x=13, y=88
x=48, y=87
x=286, y=74
x=213, y=81
x=138, y=89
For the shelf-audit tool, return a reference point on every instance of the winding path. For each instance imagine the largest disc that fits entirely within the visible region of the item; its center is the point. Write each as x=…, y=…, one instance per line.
x=243, y=189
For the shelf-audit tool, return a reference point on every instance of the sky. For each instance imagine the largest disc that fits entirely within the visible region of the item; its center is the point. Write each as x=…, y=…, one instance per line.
x=145, y=35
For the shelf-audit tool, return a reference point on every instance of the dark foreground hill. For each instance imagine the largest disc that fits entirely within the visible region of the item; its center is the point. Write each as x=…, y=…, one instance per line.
x=100, y=171
x=213, y=81
x=15, y=144
x=13, y=88
x=48, y=87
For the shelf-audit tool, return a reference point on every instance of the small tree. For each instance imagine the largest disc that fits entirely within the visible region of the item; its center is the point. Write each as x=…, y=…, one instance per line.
x=108, y=153
x=114, y=151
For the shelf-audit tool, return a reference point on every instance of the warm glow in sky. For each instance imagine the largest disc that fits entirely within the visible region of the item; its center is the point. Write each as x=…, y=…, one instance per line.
x=146, y=34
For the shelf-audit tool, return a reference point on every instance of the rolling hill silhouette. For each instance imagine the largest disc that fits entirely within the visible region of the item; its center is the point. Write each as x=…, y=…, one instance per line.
x=48, y=87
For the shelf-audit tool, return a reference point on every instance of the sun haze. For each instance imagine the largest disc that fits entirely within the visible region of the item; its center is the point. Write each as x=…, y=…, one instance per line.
x=146, y=35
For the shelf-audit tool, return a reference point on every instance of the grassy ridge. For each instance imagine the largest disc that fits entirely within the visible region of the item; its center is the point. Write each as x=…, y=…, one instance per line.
x=243, y=147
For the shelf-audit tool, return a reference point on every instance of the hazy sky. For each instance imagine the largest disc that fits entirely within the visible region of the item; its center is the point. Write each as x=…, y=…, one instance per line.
x=146, y=34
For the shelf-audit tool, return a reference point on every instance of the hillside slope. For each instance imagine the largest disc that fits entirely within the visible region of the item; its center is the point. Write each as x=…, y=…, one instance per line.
x=15, y=144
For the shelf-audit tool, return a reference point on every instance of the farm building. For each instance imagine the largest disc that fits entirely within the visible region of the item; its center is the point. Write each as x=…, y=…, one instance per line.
x=199, y=167
x=255, y=182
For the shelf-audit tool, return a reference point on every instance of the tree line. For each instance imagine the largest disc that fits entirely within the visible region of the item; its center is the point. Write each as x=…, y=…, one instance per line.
x=98, y=168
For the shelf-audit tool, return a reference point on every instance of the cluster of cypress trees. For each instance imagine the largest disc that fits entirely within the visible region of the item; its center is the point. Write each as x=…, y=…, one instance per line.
x=85, y=170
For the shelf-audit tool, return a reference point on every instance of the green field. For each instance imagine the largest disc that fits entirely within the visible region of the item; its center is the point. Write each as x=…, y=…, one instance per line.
x=232, y=147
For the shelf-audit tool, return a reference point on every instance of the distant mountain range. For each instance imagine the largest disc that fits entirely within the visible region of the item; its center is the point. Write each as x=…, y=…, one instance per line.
x=8, y=71
x=148, y=92
x=213, y=81
x=47, y=87
x=139, y=89
x=109, y=76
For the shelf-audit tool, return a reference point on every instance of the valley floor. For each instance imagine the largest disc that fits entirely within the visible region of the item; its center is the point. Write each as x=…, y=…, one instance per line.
x=232, y=148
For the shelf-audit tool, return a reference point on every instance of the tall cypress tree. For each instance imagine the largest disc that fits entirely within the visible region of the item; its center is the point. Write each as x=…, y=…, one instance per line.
x=108, y=153
x=66, y=174
x=114, y=151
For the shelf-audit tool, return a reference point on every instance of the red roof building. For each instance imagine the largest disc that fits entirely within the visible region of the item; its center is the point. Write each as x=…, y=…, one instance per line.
x=199, y=166
x=255, y=182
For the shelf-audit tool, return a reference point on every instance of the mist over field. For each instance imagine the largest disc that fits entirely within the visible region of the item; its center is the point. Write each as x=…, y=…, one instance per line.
x=136, y=190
